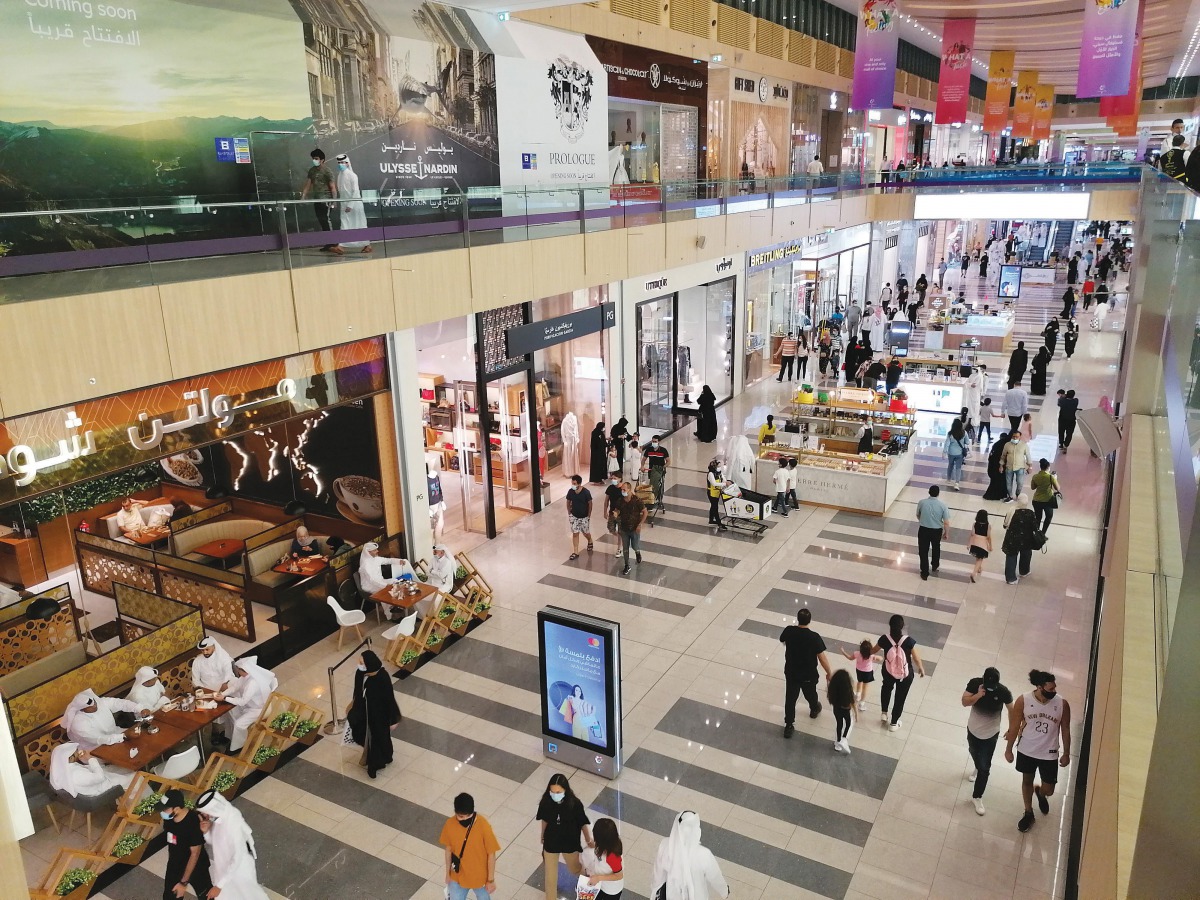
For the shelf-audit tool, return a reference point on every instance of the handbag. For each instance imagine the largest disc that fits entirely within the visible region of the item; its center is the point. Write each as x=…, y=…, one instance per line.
x=348, y=736
x=456, y=858
x=1057, y=500
x=1037, y=540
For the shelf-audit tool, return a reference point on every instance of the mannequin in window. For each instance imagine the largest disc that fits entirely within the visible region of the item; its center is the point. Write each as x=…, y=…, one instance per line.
x=570, y=439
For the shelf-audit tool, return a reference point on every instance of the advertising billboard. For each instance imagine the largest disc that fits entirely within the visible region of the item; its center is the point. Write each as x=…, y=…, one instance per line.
x=1010, y=282
x=580, y=666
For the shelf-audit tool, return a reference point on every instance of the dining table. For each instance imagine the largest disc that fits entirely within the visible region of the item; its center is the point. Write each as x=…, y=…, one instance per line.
x=305, y=567
x=401, y=598
x=174, y=727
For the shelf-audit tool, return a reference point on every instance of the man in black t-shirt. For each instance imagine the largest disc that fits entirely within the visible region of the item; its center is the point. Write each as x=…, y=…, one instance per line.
x=187, y=860
x=579, y=514
x=804, y=650
x=657, y=459
x=987, y=699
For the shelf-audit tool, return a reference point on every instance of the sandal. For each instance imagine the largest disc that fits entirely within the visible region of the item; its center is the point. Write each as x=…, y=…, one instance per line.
x=590, y=548
x=573, y=556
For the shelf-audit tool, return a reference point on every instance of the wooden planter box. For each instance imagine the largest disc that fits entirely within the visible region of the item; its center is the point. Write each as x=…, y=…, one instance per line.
x=311, y=738
x=269, y=765
x=81, y=892
x=134, y=857
x=411, y=665
x=462, y=629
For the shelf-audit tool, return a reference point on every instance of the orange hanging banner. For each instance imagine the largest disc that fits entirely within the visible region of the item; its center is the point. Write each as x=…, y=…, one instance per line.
x=1043, y=111
x=1022, y=126
x=999, y=89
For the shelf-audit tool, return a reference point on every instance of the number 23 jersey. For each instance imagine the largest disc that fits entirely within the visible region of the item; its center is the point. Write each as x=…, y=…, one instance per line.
x=1039, y=737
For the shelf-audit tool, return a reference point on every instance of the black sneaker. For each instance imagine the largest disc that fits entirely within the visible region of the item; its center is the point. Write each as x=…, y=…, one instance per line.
x=1026, y=822
x=813, y=713
x=789, y=730
x=1043, y=803
x=625, y=571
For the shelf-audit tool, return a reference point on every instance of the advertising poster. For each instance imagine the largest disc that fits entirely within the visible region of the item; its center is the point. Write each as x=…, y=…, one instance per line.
x=954, y=80
x=576, y=684
x=1043, y=111
x=875, y=55
x=1010, y=282
x=999, y=91
x=1023, y=105
x=1106, y=54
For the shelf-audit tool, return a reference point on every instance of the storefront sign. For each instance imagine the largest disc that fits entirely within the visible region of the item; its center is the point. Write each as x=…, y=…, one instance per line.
x=875, y=55
x=52, y=449
x=750, y=88
x=954, y=81
x=761, y=259
x=538, y=335
x=995, y=107
x=1106, y=54
x=636, y=73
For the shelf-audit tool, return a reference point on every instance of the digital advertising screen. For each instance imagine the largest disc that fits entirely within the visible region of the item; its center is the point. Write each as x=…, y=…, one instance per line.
x=580, y=681
x=1010, y=281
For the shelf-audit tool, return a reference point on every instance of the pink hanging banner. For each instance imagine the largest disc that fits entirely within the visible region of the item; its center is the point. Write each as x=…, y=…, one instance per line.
x=875, y=55
x=954, y=81
x=1106, y=55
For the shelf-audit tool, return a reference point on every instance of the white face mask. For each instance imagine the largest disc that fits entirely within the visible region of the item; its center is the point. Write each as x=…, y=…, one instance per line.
x=557, y=798
x=316, y=162
x=624, y=493
x=167, y=816
x=361, y=667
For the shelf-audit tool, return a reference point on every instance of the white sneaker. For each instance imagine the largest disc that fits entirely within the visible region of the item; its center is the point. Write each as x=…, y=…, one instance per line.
x=846, y=747
x=971, y=777
x=884, y=717
x=837, y=745
x=895, y=726
x=618, y=554
x=862, y=704
x=978, y=805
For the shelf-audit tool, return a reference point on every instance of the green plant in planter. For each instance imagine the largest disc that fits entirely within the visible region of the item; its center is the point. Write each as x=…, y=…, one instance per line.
x=409, y=656
x=433, y=640
x=284, y=721
x=445, y=612
x=421, y=577
x=458, y=622
x=460, y=573
x=305, y=727
x=263, y=754
x=225, y=779
x=129, y=842
x=147, y=805
x=482, y=606
x=73, y=878
x=90, y=493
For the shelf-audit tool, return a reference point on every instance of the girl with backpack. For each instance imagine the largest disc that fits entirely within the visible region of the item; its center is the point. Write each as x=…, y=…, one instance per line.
x=899, y=658
x=864, y=669
x=841, y=698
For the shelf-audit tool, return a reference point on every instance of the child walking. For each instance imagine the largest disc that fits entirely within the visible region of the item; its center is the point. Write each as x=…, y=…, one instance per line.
x=979, y=545
x=864, y=669
x=841, y=699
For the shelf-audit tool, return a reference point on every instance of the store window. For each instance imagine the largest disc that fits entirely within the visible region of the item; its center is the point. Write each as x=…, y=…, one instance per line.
x=704, y=348
x=634, y=143
x=656, y=363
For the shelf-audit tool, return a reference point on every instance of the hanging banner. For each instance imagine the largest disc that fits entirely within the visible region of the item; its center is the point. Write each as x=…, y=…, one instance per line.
x=875, y=55
x=999, y=91
x=1127, y=104
x=1022, y=126
x=1106, y=55
x=1124, y=119
x=954, y=80
x=1043, y=111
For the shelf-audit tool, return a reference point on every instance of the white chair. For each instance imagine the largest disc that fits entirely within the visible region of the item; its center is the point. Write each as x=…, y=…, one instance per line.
x=346, y=618
x=181, y=765
x=406, y=627
x=360, y=597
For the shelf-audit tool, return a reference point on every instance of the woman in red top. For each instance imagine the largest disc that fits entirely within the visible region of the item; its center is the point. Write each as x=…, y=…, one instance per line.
x=602, y=866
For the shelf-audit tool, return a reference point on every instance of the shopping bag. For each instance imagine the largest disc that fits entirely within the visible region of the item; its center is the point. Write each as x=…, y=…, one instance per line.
x=585, y=891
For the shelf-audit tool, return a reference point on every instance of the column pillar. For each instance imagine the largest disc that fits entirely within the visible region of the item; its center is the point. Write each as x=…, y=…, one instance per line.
x=875, y=264
x=906, y=252
x=410, y=442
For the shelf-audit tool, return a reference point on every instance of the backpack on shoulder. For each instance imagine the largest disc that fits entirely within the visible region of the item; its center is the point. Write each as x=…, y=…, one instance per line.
x=895, y=661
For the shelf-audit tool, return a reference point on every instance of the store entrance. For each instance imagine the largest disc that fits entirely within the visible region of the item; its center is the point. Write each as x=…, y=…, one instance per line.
x=509, y=451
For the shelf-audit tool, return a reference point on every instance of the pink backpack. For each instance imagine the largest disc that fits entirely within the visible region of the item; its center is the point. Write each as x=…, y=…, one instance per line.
x=895, y=661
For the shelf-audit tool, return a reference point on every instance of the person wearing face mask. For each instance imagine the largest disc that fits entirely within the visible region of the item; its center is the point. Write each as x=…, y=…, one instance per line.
x=717, y=482
x=187, y=858
x=471, y=848
x=1039, y=723
x=320, y=183
x=1017, y=464
x=231, y=848
x=563, y=820
x=657, y=460
x=631, y=516
x=612, y=496
x=354, y=216
x=373, y=713
x=987, y=698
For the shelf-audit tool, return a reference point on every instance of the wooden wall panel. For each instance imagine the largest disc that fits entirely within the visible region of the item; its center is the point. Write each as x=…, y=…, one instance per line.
x=430, y=287
x=389, y=463
x=224, y=322
x=501, y=274
x=1114, y=205
x=647, y=249
x=789, y=222
x=739, y=232
x=681, y=243
x=606, y=256
x=558, y=265
x=361, y=292
x=712, y=229
x=66, y=349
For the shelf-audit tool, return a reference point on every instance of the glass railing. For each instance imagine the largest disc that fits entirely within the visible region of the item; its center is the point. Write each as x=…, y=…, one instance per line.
x=95, y=245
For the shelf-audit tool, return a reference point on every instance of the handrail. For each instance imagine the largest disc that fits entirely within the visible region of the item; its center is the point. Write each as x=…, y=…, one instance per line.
x=334, y=722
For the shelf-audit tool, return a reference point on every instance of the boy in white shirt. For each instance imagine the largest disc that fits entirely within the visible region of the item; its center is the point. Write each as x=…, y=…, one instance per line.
x=782, y=481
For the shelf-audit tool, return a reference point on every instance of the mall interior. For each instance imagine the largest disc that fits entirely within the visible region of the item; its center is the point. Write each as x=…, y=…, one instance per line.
x=259, y=317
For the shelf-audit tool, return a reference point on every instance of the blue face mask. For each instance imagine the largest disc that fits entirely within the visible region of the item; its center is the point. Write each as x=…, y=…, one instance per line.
x=557, y=798
x=167, y=816
x=316, y=162
x=343, y=166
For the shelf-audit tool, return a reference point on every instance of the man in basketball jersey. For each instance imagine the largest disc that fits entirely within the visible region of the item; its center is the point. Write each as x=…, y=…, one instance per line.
x=1036, y=723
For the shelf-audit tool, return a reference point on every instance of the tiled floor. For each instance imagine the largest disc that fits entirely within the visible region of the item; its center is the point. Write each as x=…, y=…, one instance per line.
x=703, y=695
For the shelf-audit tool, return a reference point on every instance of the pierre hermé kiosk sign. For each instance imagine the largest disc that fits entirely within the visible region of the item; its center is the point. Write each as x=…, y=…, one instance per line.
x=580, y=663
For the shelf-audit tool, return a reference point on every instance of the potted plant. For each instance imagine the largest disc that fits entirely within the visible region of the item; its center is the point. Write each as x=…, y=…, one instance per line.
x=481, y=608
x=306, y=731
x=265, y=758
x=225, y=783
x=75, y=884
x=129, y=848
x=410, y=659
x=459, y=623
x=460, y=576
x=445, y=612
x=147, y=808
x=435, y=642
x=284, y=722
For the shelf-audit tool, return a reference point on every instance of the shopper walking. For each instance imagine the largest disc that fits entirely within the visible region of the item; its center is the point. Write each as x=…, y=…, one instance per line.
x=579, y=514
x=633, y=458
x=706, y=420
x=987, y=698
x=604, y=865
x=1017, y=464
x=1070, y=338
x=684, y=869
x=564, y=821
x=933, y=525
x=1046, y=491
x=955, y=448
x=1068, y=409
x=373, y=713
x=470, y=848
x=900, y=658
x=841, y=700
x=788, y=348
x=1041, y=722
x=231, y=849
x=1068, y=301
x=631, y=516
x=986, y=414
x=804, y=650
x=1017, y=364
x=1037, y=377
x=853, y=321
x=321, y=185
x=864, y=669
x=187, y=858
x=793, y=482
x=1016, y=404
x=979, y=544
x=941, y=270
x=1020, y=528
x=921, y=287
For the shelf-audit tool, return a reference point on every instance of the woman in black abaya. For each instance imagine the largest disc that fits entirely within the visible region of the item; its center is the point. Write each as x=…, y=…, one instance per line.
x=620, y=435
x=706, y=422
x=997, y=486
x=373, y=713
x=598, y=468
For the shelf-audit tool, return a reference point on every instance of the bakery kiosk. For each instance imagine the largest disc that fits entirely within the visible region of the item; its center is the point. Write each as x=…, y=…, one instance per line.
x=831, y=472
x=932, y=382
